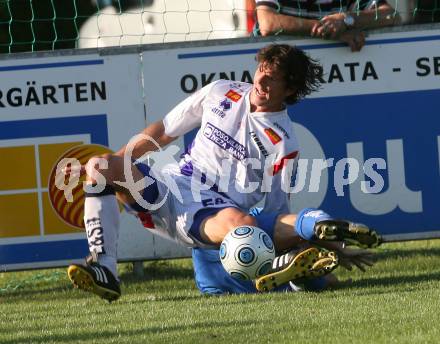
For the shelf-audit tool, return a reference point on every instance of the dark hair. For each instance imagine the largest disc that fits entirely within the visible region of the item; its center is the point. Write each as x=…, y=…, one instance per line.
x=301, y=72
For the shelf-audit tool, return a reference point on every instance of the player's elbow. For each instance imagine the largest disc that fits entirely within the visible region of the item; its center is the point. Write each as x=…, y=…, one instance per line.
x=164, y=139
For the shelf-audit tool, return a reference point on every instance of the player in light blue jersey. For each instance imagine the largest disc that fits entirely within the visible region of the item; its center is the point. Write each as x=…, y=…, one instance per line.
x=211, y=277
x=244, y=152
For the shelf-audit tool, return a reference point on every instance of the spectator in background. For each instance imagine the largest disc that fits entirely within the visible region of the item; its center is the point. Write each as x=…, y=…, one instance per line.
x=342, y=20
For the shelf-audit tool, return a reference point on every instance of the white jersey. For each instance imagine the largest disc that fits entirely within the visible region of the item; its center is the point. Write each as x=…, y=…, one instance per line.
x=245, y=156
x=241, y=148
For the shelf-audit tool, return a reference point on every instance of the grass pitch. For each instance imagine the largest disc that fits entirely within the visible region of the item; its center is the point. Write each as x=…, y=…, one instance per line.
x=396, y=301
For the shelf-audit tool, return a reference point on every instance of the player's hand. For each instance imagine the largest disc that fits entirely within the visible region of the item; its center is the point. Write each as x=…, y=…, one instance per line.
x=361, y=259
x=348, y=257
x=354, y=38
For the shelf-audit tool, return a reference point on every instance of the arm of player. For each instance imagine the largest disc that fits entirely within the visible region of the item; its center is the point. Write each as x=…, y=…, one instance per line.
x=184, y=117
x=156, y=132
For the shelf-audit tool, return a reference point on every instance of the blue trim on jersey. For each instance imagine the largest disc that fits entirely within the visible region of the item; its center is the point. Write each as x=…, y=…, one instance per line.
x=151, y=192
x=199, y=217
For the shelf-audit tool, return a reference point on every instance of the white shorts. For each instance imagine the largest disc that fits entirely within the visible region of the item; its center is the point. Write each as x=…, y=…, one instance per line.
x=176, y=219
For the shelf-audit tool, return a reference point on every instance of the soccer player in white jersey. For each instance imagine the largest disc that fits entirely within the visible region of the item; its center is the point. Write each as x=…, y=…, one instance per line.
x=243, y=152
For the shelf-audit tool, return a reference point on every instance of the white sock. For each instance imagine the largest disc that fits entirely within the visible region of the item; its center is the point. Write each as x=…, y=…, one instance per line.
x=101, y=218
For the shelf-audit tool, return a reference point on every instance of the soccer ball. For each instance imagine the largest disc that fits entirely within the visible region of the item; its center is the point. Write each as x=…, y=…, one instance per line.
x=247, y=252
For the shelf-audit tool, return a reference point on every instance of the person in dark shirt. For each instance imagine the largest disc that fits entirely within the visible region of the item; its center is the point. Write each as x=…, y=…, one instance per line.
x=343, y=20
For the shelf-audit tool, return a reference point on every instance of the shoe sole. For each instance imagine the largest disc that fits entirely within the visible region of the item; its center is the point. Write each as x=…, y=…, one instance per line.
x=307, y=264
x=83, y=280
x=349, y=232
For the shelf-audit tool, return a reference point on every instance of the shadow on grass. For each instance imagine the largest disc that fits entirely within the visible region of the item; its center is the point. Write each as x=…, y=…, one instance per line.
x=161, y=298
x=209, y=330
x=43, y=293
x=366, y=284
x=165, y=270
x=158, y=271
x=408, y=253
x=154, y=271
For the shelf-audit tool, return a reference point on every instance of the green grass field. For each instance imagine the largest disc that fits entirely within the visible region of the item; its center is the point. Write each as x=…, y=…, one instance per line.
x=396, y=301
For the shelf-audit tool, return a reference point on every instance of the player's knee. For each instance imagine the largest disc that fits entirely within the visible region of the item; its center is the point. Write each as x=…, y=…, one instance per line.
x=243, y=219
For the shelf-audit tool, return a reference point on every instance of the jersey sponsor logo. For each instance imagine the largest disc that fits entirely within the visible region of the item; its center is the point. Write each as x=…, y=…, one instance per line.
x=280, y=128
x=272, y=135
x=278, y=166
x=224, y=141
x=234, y=96
x=236, y=86
x=225, y=105
x=219, y=112
x=259, y=144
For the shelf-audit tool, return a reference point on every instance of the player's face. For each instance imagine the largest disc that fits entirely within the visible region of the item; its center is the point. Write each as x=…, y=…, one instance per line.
x=270, y=89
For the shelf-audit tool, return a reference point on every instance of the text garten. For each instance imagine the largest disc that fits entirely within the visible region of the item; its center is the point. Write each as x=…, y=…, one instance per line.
x=34, y=94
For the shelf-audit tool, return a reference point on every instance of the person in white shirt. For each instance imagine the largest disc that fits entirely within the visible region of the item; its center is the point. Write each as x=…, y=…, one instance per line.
x=244, y=152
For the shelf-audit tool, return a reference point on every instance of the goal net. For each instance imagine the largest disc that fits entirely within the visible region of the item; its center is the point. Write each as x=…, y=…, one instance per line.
x=31, y=25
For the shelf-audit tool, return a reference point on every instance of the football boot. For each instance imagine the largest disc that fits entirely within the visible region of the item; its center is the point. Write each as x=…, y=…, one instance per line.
x=349, y=232
x=309, y=263
x=95, y=278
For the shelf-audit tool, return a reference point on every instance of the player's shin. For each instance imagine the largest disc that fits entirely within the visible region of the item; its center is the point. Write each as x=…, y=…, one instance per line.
x=101, y=219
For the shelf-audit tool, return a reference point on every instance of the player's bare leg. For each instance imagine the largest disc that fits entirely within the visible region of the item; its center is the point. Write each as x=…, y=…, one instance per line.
x=214, y=228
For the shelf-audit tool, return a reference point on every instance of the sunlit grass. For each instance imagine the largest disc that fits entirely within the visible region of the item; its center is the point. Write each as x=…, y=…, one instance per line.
x=396, y=301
